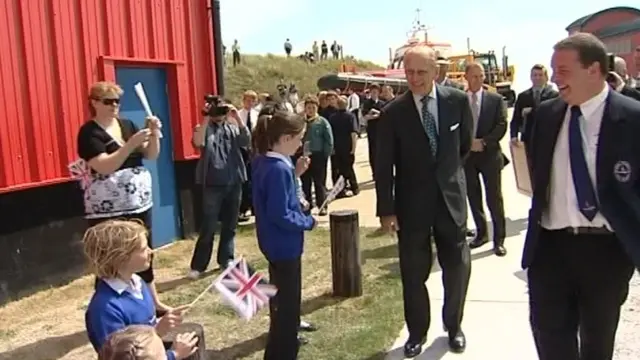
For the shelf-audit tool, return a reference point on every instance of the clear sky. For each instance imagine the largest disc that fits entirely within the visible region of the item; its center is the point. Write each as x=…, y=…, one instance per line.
x=367, y=29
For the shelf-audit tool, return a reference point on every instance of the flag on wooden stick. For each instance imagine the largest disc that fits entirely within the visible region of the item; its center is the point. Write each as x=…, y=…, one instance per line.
x=243, y=289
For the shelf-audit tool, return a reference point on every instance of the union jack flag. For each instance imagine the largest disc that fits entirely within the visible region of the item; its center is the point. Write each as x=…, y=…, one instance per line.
x=243, y=289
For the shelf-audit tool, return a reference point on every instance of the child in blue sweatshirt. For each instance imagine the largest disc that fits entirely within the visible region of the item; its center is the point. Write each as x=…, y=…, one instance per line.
x=116, y=251
x=280, y=225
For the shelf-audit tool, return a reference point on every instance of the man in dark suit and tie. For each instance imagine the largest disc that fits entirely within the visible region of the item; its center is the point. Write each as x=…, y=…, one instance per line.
x=489, y=126
x=425, y=135
x=584, y=224
x=371, y=108
x=529, y=100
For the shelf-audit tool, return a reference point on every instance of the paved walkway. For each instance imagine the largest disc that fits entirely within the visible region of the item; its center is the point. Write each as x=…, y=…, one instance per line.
x=496, y=311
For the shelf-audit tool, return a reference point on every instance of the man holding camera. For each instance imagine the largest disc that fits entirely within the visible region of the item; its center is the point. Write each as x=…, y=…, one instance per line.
x=221, y=172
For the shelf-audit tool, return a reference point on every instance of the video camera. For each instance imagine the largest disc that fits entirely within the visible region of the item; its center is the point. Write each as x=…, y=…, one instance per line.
x=215, y=106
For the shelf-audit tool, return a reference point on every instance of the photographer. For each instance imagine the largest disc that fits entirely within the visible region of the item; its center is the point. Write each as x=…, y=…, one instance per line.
x=618, y=78
x=221, y=172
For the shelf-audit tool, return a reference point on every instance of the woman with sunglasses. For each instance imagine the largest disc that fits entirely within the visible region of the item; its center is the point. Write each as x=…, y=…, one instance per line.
x=115, y=182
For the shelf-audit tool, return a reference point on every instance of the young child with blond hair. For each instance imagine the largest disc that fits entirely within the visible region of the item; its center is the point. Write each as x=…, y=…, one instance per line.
x=117, y=250
x=141, y=342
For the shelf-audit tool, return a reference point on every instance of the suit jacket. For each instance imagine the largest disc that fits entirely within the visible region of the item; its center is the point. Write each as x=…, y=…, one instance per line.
x=411, y=193
x=617, y=170
x=630, y=92
x=492, y=122
x=519, y=124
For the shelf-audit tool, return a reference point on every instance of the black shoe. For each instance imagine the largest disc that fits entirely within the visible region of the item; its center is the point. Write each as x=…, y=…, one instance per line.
x=458, y=342
x=413, y=348
x=302, y=340
x=500, y=250
x=478, y=241
x=307, y=327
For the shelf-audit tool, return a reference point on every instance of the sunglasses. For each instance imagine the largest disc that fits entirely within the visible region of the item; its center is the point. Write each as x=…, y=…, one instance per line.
x=110, y=101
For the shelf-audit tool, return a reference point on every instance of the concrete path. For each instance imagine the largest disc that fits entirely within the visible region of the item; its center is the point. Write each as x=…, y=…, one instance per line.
x=496, y=311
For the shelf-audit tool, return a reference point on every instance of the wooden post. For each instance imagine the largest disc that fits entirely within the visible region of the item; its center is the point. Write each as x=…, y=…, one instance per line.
x=346, y=263
x=169, y=338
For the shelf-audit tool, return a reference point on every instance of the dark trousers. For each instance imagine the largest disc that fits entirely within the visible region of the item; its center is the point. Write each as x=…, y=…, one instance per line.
x=487, y=164
x=284, y=310
x=372, y=139
x=315, y=175
x=218, y=203
x=577, y=284
x=236, y=58
x=342, y=165
x=145, y=218
x=246, y=203
x=416, y=257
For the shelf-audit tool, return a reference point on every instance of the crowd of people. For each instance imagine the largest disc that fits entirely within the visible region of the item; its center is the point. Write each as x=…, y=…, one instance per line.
x=428, y=148
x=318, y=52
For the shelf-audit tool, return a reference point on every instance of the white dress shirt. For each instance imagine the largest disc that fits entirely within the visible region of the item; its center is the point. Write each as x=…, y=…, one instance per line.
x=432, y=106
x=353, y=102
x=134, y=287
x=479, y=94
x=563, y=210
x=254, y=116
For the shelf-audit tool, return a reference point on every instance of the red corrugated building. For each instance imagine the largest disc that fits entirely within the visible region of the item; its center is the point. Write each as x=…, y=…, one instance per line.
x=618, y=27
x=52, y=51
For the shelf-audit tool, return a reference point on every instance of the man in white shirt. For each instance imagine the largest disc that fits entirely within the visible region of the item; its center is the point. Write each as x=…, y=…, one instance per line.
x=582, y=241
x=249, y=115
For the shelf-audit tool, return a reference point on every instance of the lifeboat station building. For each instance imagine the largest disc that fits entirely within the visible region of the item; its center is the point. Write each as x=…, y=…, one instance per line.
x=618, y=27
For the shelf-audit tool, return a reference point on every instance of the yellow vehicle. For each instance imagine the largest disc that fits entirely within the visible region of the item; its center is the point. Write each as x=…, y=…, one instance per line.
x=498, y=78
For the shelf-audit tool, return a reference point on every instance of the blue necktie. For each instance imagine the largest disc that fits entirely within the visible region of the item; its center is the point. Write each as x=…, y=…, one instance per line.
x=587, y=202
x=429, y=124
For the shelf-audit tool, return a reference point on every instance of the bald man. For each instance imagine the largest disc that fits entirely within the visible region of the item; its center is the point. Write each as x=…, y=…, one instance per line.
x=425, y=135
x=620, y=81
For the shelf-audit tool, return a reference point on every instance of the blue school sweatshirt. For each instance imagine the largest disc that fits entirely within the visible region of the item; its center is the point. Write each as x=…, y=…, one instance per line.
x=280, y=222
x=114, y=307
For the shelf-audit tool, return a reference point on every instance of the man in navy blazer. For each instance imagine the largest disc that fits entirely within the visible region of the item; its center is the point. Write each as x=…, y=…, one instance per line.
x=583, y=240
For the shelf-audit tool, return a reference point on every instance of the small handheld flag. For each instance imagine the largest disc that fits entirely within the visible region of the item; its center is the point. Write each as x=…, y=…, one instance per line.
x=337, y=188
x=244, y=290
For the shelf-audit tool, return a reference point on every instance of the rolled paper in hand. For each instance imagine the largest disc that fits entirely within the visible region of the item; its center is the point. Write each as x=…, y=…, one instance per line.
x=306, y=148
x=142, y=96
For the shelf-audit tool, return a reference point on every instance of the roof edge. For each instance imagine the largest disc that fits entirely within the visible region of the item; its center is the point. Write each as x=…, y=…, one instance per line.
x=581, y=22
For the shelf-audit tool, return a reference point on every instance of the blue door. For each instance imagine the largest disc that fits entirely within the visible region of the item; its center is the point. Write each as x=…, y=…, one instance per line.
x=165, y=212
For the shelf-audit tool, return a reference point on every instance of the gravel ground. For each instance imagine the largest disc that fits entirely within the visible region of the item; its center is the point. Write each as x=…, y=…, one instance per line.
x=628, y=337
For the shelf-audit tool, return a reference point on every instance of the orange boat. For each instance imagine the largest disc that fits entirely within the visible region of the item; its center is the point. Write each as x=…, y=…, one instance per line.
x=417, y=36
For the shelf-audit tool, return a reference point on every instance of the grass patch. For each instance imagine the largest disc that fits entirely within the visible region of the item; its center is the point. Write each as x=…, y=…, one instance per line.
x=263, y=73
x=50, y=323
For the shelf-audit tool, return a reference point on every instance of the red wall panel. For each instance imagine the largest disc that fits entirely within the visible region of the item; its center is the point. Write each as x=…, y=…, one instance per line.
x=608, y=19
x=53, y=50
x=634, y=37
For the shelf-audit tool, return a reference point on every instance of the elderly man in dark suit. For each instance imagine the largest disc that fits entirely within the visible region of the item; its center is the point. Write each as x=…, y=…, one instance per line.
x=529, y=100
x=489, y=126
x=582, y=243
x=426, y=134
